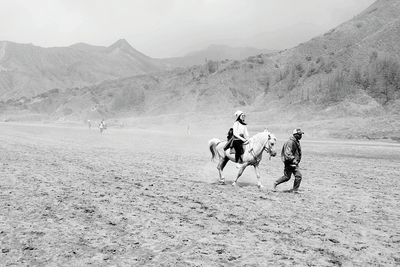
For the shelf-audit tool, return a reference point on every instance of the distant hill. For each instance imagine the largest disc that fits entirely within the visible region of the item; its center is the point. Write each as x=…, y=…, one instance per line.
x=351, y=72
x=27, y=70
x=215, y=53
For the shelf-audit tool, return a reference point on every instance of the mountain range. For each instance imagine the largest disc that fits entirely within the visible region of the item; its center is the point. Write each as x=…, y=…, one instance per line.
x=27, y=70
x=352, y=72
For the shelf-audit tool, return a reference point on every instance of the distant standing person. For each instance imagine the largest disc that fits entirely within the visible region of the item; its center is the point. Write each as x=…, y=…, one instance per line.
x=102, y=126
x=291, y=157
x=188, y=129
x=89, y=124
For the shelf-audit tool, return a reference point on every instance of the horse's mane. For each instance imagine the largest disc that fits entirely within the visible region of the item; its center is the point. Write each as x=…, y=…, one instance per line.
x=261, y=134
x=257, y=137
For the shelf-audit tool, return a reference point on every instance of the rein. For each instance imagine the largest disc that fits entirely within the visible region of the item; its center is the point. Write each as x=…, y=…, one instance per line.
x=255, y=157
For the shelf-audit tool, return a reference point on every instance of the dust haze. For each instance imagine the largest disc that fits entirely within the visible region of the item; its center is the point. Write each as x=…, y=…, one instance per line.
x=107, y=110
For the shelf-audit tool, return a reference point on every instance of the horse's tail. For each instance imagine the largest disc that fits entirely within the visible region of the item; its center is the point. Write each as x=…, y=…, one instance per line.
x=212, y=144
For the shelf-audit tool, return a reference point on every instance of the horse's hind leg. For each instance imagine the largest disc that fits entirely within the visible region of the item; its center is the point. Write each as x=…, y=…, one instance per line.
x=220, y=167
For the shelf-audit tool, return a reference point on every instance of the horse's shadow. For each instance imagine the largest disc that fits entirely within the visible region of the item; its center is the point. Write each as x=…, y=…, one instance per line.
x=289, y=191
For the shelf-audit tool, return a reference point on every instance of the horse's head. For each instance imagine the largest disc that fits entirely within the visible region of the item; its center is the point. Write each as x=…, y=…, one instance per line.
x=270, y=145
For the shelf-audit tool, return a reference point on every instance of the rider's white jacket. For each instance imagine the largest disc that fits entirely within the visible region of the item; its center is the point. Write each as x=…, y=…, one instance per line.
x=240, y=131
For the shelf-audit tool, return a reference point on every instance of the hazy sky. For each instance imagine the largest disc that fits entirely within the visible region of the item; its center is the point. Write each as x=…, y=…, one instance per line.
x=163, y=28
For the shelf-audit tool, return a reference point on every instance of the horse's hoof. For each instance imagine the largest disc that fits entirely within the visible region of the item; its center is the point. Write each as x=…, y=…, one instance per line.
x=234, y=184
x=260, y=186
x=221, y=182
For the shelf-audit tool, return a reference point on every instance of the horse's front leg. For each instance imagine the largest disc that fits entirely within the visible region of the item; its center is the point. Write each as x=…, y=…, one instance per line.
x=241, y=169
x=258, y=176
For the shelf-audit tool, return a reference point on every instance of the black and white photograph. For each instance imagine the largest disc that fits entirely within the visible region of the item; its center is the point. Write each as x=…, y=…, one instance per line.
x=200, y=133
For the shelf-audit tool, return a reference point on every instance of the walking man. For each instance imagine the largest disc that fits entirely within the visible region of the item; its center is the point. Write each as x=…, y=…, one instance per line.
x=291, y=157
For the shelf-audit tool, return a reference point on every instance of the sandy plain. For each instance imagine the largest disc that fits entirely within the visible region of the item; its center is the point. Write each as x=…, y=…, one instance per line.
x=72, y=197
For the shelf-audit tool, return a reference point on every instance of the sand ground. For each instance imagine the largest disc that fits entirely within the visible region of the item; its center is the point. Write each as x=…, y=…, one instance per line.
x=72, y=197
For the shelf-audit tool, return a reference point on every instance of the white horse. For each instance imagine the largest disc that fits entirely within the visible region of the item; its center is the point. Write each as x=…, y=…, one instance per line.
x=264, y=141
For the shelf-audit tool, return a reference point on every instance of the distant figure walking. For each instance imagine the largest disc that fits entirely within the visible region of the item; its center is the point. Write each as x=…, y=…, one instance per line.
x=102, y=126
x=291, y=157
x=89, y=124
x=188, y=129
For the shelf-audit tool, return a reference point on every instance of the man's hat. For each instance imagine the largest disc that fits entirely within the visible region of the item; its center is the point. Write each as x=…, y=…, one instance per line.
x=298, y=131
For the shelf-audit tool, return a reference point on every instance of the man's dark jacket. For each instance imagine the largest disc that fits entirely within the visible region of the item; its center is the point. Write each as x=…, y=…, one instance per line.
x=291, y=152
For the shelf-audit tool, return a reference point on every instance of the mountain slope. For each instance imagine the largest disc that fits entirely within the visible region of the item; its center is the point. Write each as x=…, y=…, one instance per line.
x=215, y=53
x=26, y=70
x=357, y=61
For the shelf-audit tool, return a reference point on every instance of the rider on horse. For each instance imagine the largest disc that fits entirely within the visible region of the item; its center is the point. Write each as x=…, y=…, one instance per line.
x=240, y=135
x=264, y=141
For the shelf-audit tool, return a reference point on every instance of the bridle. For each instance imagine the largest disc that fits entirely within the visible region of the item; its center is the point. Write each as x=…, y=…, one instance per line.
x=267, y=148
